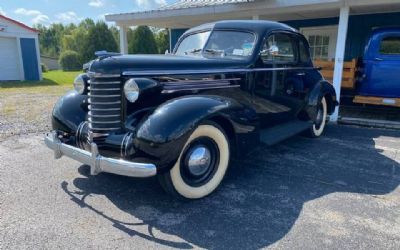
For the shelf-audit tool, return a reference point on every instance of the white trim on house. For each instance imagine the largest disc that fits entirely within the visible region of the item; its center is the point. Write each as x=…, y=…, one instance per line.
x=20, y=60
x=123, y=39
x=339, y=58
x=38, y=58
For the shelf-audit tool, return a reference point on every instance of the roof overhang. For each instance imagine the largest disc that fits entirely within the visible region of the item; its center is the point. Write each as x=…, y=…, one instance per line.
x=264, y=9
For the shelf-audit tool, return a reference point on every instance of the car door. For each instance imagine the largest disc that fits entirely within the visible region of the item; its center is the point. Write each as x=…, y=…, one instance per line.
x=383, y=75
x=278, y=79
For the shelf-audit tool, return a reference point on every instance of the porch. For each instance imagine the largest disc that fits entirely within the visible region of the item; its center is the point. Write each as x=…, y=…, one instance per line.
x=337, y=29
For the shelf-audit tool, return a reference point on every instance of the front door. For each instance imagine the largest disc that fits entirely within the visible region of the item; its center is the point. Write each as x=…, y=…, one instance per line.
x=383, y=75
x=277, y=80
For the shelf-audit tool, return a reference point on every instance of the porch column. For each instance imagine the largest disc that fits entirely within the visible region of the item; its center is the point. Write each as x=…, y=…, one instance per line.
x=339, y=56
x=170, y=40
x=123, y=39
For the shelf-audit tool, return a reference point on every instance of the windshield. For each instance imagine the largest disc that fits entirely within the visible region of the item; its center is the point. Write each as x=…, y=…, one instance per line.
x=218, y=44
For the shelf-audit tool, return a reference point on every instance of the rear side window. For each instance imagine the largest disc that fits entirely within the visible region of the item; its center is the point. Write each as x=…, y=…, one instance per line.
x=278, y=48
x=390, y=46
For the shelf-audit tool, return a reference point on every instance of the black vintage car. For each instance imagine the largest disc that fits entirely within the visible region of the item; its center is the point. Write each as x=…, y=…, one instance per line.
x=227, y=86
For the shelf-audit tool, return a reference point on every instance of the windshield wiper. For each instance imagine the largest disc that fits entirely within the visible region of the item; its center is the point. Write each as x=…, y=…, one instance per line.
x=192, y=51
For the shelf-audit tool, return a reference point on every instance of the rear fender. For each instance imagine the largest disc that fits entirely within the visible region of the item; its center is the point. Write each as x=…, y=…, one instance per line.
x=321, y=89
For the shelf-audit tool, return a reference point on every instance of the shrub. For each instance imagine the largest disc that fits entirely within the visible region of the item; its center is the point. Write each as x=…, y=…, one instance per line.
x=44, y=67
x=70, y=61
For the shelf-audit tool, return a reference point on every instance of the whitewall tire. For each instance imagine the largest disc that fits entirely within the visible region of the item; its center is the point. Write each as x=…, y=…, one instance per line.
x=201, y=166
x=319, y=124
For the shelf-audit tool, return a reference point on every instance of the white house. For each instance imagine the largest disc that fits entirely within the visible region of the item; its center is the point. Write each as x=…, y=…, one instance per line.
x=336, y=29
x=19, y=51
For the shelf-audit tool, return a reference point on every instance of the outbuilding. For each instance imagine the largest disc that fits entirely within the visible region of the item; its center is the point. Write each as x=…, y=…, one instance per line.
x=19, y=51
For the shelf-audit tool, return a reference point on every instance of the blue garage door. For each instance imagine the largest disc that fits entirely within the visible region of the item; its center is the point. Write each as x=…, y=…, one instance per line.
x=29, y=58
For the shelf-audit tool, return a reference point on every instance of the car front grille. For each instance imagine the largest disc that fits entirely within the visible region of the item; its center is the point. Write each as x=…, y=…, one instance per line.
x=105, y=97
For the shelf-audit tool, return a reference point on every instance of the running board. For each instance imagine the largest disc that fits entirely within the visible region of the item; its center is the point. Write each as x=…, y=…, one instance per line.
x=271, y=136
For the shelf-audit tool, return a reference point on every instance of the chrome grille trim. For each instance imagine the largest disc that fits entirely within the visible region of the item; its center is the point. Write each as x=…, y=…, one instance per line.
x=103, y=122
x=103, y=116
x=110, y=89
x=106, y=109
x=103, y=96
x=105, y=112
x=103, y=83
x=106, y=103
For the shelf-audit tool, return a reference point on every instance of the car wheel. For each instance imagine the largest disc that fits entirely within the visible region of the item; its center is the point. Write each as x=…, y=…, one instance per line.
x=319, y=124
x=201, y=166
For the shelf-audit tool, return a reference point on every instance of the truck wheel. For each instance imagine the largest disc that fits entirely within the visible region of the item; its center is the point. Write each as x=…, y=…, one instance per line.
x=319, y=124
x=201, y=166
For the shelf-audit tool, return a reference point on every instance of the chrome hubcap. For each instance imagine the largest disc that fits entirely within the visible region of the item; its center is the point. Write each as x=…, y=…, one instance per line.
x=199, y=160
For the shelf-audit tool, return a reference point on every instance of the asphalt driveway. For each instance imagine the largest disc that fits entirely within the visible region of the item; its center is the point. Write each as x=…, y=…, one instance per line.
x=339, y=191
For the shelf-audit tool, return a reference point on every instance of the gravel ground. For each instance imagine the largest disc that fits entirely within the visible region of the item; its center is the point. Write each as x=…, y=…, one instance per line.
x=340, y=191
x=27, y=110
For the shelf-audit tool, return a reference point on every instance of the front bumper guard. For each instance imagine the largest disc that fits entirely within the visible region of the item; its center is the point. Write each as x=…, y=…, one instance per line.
x=97, y=162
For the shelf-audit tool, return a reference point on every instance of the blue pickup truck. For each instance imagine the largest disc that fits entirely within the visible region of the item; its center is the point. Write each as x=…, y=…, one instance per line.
x=379, y=69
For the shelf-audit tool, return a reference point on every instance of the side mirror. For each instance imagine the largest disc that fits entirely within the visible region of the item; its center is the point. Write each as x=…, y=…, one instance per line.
x=166, y=52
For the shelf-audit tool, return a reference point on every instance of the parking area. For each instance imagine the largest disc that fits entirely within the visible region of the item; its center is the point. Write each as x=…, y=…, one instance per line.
x=340, y=191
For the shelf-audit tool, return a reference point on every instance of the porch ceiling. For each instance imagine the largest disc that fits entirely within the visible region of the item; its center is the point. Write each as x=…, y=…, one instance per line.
x=185, y=17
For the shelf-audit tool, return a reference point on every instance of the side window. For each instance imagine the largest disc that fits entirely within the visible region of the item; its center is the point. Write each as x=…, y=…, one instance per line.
x=279, y=49
x=303, y=52
x=390, y=46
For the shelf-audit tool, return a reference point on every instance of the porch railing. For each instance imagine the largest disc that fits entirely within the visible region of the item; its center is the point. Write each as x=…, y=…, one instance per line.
x=349, y=72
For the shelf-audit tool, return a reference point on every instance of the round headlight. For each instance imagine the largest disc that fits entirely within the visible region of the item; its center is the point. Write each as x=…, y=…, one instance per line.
x=131, y=90
x=79, y=84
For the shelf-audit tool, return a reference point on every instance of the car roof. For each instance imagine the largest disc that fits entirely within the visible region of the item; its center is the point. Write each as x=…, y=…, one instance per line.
x=258, y=26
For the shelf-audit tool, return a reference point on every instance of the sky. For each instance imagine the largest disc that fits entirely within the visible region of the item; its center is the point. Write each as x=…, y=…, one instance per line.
x=46, y=12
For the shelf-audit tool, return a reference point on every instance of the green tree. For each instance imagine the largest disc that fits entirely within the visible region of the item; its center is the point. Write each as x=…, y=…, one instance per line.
x=69, y=61
x=162, y=40
x=74, y=41
x=86, y=24
x=50, y=39
x=141, y=41
x=99, y=38
x=115, y=34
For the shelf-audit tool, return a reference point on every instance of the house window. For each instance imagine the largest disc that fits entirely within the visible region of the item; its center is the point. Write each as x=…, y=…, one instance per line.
x=319, y=47
x=322, y=40
x=390, y=46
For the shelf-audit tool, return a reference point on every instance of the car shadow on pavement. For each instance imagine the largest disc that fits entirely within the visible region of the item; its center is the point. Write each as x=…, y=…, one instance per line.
x=262, y=195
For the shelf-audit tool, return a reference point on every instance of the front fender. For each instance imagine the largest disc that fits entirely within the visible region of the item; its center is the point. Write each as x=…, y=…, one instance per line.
x=163, y=134
x=69, y=111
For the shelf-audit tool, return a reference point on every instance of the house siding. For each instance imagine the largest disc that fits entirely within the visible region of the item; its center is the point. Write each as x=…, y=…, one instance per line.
x=175, y=34
x=359, y=30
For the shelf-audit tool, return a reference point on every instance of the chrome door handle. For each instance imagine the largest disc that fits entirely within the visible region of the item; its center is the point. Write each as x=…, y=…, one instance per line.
x=378, y=59
x=301, y=74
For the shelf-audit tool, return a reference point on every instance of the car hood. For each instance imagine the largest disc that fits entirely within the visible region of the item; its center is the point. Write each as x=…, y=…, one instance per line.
x=120, y=64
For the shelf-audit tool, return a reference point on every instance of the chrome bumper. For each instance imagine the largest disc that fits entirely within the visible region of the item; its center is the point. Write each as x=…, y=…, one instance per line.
x=97, y=162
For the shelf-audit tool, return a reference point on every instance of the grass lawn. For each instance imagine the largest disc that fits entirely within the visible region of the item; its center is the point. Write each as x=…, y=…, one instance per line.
x=50, y=78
